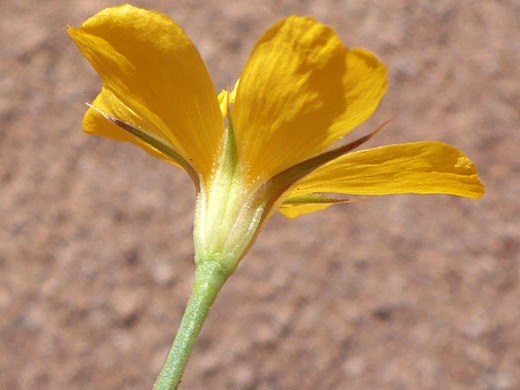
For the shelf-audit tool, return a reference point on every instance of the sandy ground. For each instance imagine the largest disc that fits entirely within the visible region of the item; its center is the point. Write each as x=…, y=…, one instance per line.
x=403, y=292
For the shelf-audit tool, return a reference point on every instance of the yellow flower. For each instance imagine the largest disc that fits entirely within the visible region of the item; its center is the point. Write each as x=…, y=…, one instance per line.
x=262, y=147
x=265, y=145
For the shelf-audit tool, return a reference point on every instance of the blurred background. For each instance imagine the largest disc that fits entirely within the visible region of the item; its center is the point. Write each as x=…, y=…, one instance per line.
x=402, y=292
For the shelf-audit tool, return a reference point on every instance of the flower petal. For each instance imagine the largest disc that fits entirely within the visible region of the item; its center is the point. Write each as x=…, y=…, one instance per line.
x=364, y=84
x=417, y=167
x=289, y=94
x=295, y=210
x=156, y=78
x=300, y=91
x=156, y=146
x=297, y=205
x=94, y=122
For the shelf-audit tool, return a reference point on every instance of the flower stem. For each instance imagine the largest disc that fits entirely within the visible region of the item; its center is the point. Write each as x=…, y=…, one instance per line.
x=210, y=276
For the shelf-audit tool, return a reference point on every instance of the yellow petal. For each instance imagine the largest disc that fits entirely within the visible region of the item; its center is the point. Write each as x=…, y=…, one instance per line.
x=155, y=77
x=156, y=146
x=289, y=94
x=417, y=167
x=295, y=206
x=364, y=84
x=300, y=91
x=295, y=210
x=94, y=123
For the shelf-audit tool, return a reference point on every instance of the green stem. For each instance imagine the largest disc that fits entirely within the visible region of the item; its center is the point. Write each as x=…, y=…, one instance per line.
x=209, y=278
